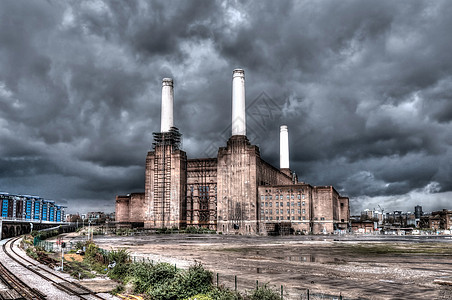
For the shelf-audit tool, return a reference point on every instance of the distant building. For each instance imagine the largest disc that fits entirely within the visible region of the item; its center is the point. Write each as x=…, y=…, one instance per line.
x=363, y=226
x=371, y=215
x=400, y=219
x=96, y=217
x=418, y=211
x=73, y=218
x=30, y=208
x=110, y=216
x=441, y=220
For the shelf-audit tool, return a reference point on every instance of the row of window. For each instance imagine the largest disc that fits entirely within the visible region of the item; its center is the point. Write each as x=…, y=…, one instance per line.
x=278, y=211
x=281, y=197
x=37, y=210
x=282, y=191
x=281, y=204
x=292, y=218
x=299, y=218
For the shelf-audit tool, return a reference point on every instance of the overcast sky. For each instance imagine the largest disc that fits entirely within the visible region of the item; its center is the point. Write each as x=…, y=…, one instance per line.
x=364, y=87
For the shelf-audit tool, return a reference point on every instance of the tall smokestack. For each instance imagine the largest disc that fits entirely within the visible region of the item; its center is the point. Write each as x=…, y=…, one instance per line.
x=238, y=102
x=284, y=148
x=167, y=105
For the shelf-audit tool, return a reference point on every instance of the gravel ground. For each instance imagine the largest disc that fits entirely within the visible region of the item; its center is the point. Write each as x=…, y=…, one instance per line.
x=324, y=265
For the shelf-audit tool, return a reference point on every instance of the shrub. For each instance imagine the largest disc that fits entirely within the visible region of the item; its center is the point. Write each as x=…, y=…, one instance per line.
x=120, y=271
x=169, y=290
x=264, y=293
x=31, y=252
x=91, y=250
x=120, y=256
x=183, y=284
x=79, y=245
x=191, y=230
x=146, y=276
x=197, y=280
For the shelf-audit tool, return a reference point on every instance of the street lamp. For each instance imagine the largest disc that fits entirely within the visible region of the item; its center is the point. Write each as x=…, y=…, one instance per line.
x=89, y=230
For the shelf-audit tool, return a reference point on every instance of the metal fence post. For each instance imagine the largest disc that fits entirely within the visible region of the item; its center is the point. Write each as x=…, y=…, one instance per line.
x=235, y=280
x=217, y=279
x=281, y=291
x=307, y=293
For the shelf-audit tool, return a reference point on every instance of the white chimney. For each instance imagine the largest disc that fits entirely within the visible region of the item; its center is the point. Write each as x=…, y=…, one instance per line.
x=238, y=102
x=284, y=148
x=167, y=105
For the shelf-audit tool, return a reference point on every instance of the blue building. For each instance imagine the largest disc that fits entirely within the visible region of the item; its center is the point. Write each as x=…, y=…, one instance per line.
x=31, y=208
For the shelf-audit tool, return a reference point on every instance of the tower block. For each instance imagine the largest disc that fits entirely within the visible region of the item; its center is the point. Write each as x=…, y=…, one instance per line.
x=166, y=176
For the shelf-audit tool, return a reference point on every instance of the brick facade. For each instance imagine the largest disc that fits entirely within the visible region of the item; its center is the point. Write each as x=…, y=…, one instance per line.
x=236, y=193
x=303, y=207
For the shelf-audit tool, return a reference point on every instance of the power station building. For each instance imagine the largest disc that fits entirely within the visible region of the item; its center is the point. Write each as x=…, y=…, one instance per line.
x=236, y=192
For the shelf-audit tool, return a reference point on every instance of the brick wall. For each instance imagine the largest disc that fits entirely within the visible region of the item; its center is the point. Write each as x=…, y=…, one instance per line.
x=136, y=207
x=122, y=208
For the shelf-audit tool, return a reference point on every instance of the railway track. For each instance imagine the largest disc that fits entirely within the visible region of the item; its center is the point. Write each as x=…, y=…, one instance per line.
x=73, y=289
x=17, y=289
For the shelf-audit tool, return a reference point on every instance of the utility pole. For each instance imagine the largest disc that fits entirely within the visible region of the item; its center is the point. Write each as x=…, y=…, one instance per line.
x=63, y=245
x=89, y=230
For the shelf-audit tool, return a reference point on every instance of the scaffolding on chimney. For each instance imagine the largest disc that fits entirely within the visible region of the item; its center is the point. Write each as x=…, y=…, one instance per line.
x=171, y=138
x=165, y=143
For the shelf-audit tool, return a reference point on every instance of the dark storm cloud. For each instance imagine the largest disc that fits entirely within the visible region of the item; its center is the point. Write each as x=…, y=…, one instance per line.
x=365, y=88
